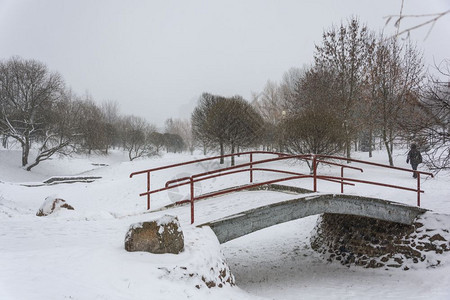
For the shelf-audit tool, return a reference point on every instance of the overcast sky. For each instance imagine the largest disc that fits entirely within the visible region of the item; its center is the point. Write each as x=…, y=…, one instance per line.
x=154, y=58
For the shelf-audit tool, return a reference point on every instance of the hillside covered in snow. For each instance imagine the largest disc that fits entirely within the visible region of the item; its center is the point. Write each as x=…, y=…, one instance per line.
x=79, y=254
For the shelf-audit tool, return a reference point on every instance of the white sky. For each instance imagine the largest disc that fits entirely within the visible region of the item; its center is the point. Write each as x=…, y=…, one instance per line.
x=154, y=58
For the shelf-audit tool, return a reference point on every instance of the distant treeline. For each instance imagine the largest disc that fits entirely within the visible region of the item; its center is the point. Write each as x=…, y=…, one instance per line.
x=360, y=88
x=37, y=109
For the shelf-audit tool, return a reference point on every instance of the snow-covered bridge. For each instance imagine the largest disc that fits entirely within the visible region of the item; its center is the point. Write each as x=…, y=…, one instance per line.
x=246, y=222
x=256, y=218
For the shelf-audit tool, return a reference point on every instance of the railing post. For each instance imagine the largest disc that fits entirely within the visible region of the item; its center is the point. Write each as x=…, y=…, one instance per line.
x=148, y=190
x=342, y=180
x=251, y=167
x=192, y=200
x=315, y=173
x=418, y=189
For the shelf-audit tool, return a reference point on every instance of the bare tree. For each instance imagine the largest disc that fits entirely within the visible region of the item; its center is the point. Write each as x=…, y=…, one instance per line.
x=397, y=75
x=315, y=89
x=368, y=98
x=432, y=130
x=289, y=85
x=312, y=124
x=343, y=52
x=93, y=127
x=244, y=124
x=157, y=140
x=270, y=105
x=229, y=122
x=183, y=128
x=110, y=111
x=206, y=125
x=111, y=117
x=60, y=131
x=313, y=131
x=27, y=90
x=173, y=142
x=137, y=137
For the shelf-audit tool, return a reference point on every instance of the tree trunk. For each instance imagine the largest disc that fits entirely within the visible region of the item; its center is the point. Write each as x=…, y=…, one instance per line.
x=348, y=142
x=36, y=162
x=391, y=141
x=348, y=147
x=370, y=141
x=221, y=153
x=129, y=155
x=232, y=152
x=5, y=142
x=25, y=151
x=388, y=148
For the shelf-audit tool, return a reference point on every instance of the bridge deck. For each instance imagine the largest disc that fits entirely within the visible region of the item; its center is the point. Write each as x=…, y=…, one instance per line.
x=243, y=223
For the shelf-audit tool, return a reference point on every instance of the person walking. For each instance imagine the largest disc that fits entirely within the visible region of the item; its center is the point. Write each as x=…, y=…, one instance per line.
x=415, y=158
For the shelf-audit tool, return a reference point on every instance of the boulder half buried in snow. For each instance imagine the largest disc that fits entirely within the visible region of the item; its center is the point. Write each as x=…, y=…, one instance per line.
x=52, y=204
x=163, y=235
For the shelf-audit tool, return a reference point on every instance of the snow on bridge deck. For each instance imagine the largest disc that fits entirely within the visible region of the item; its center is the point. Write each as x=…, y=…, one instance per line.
x=246, y=222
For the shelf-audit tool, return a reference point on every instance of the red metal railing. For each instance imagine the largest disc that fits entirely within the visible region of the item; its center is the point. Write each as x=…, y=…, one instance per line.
x=148, y=171
x=316, y=159
x=418, y=190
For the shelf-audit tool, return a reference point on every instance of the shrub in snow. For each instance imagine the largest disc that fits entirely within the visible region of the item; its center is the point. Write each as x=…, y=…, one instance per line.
x=163, y=235
x=52, y=204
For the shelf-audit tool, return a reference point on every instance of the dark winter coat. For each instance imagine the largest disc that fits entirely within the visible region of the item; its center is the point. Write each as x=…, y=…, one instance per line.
x=414, y=157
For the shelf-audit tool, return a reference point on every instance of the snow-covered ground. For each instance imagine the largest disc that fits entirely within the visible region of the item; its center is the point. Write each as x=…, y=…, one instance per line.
x=80, y=254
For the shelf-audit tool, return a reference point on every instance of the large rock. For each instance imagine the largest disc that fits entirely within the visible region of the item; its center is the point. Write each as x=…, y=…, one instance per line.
x=163, y=235
x=51, y=205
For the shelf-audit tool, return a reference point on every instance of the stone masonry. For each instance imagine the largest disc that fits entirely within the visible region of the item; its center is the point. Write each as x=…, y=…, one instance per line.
x=371, y=243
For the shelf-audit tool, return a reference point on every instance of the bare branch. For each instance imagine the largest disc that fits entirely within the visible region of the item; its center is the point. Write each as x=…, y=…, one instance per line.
x=434, y=18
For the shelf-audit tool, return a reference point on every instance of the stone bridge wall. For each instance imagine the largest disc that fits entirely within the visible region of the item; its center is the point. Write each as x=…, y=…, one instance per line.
x=354, y=240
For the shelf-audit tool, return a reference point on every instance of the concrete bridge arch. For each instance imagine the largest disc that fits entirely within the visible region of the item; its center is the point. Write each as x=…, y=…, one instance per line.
x=241, y=224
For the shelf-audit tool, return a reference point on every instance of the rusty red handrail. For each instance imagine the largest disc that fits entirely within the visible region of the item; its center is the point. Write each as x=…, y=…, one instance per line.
x=167, y=187
x=371, y=182
x=186, y=180
x=205, y=159
x=379, y=165
x=235, y=189
x=281, y=156
x=373, y=164
x=148, y=171
x=239, y=171
x=342, y=170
